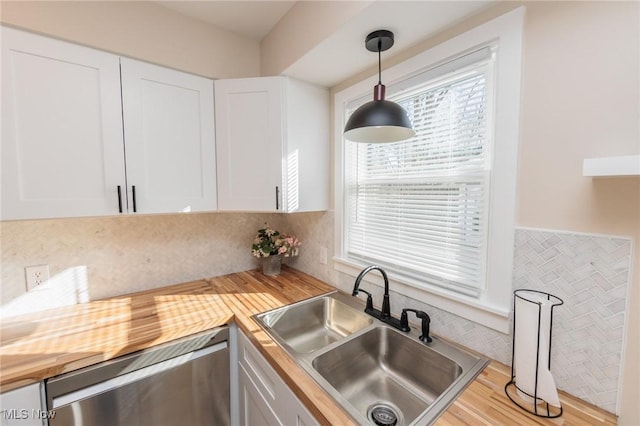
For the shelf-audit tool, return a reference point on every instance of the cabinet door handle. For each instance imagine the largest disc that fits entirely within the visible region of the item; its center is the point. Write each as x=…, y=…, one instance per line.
x=277, y=198
x=133, y=194
x=119, y=199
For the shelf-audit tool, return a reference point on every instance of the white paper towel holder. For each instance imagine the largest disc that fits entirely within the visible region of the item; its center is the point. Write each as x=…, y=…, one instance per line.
x=537, y=406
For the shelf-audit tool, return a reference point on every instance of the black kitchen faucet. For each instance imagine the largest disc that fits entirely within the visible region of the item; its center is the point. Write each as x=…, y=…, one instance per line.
x=383, y=315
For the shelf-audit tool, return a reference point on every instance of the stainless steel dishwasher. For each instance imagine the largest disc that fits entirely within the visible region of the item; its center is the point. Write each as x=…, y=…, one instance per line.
x=183, y=382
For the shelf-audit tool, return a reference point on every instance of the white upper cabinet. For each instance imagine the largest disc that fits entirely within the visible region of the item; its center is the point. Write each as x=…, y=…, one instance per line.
x=64, y=143
x=169, y=139
x=272, y=142
x=62, y=150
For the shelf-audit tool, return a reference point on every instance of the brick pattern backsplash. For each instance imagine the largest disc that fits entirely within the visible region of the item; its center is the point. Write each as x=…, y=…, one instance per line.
x=591, y=273
x=130, y=253
x=118, y=255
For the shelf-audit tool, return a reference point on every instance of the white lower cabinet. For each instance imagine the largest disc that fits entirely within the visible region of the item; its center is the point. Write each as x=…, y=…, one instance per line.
x=264, y=398
x=255, y=409
x=23, y=407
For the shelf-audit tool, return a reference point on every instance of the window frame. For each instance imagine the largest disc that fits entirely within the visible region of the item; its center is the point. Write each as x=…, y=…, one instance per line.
x=492, y=307
x=477, y=172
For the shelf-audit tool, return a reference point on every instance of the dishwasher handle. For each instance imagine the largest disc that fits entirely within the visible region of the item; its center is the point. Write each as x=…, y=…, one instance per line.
x=125, y=365
x=133, y=376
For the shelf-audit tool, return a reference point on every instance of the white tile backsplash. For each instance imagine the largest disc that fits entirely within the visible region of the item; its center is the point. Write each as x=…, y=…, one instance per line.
x=591, y=273
x=125, y=254
x=118, y=255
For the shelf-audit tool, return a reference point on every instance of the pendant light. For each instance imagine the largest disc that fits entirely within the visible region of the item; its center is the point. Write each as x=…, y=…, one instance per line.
x=379, y=121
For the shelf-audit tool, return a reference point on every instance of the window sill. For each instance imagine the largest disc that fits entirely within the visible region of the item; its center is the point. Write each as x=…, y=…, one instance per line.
x=475, y=310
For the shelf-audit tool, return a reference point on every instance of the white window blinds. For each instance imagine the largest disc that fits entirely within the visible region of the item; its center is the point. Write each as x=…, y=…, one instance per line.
x=420, y=207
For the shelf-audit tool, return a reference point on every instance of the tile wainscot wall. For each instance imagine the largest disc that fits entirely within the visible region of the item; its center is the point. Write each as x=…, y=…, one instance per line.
x=591, y=274
x=103, y=257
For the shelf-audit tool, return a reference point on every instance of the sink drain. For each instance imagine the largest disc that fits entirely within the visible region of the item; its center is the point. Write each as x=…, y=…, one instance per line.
x=383, y=414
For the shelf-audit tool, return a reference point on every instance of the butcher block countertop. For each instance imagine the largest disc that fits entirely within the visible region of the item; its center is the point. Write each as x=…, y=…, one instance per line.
x=39, y=346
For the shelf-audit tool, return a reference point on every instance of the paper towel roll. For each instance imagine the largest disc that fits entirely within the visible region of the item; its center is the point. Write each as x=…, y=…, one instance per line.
x=527, y=348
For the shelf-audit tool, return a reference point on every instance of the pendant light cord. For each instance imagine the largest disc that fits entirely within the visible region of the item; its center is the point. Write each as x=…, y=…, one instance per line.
x=379, y=60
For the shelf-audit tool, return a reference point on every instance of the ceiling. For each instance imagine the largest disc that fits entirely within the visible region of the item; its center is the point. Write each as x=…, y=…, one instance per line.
x=251, y=19
x=341, y=55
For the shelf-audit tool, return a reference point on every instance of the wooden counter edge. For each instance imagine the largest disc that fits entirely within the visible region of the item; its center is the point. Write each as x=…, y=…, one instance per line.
x=319, y=403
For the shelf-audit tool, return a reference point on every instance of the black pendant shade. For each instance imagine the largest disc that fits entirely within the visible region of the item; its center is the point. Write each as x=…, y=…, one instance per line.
x=379, y=121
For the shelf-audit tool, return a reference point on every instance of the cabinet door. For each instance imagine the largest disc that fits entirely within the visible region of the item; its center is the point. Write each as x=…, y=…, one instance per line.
x=23, y=407
x=249, y=135
x=169, y=139
x=62, y=148
x=307, y=147
x=264, y=396
x=254, y=410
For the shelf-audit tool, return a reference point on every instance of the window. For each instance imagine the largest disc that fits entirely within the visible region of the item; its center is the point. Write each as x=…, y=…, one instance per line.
x=437, y=211
x=419, y=207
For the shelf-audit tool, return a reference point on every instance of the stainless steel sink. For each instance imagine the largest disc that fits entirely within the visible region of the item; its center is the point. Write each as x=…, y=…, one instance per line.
x=315, y=324
x=384, y=368
x=377, y=374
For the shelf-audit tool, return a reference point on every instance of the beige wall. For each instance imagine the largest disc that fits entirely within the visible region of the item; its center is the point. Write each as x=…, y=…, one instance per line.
x=580, y=99
x=305, y=25
x=142, y=30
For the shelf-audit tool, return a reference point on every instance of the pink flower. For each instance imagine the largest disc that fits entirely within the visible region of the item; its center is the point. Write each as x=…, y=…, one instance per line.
x=270, y=242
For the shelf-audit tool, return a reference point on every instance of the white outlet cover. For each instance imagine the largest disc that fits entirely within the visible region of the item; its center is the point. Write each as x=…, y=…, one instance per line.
x=36, y=275
x=323, y=255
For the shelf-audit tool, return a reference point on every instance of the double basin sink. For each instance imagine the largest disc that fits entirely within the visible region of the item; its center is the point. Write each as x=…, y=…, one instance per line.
x=379, y=375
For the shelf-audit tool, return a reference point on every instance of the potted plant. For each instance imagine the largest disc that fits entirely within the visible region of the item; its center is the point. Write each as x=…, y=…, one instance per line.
x=271, y=247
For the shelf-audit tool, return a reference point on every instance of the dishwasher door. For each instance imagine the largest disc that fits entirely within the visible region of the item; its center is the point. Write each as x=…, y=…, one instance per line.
x=185, y=382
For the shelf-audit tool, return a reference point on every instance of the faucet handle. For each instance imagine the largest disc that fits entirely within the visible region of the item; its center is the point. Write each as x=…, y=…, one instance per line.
x=404, y=321
x=369, y=306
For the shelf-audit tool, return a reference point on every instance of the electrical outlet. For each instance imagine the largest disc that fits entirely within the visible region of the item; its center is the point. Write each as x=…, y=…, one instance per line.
x=323, y=255
x=36, y=275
